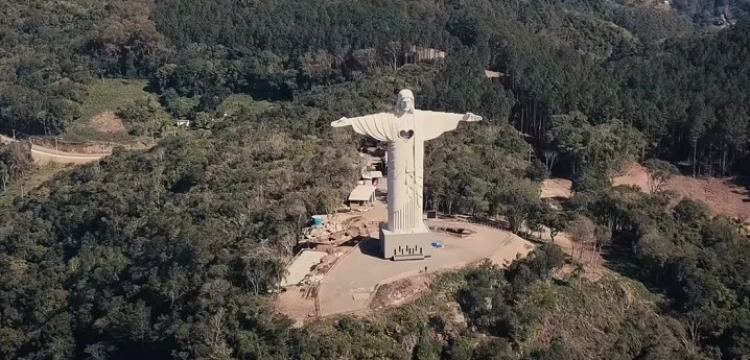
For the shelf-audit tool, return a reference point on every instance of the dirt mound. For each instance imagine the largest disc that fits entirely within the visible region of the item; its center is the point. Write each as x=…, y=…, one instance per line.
x=454, y=229
x=400, y=292
x=106, y=122
x=722, y=196
x=635, y=175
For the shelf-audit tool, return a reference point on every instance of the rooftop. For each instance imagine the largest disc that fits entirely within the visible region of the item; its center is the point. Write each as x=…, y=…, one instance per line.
x=362, y=193
x=372, y=175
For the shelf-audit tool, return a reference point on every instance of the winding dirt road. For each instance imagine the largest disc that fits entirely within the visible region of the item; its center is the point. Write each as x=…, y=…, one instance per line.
x=43, y=155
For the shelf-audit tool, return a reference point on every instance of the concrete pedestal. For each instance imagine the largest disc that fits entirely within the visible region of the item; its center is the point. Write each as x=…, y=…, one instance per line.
x=413, y=246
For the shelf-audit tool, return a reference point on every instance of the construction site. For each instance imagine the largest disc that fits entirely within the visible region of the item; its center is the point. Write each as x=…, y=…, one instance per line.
x=339, y=265
x=330, y=237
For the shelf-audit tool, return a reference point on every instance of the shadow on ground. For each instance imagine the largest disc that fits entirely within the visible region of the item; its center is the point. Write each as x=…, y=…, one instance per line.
x=370, y=247
x=381, y=196
x=620, y=260
x=742, y=181
x=354, y=241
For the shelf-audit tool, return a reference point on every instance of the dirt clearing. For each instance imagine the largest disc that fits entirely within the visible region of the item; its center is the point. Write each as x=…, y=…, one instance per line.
x=722, y=196
x=294, y=304
x=514, y=248
x=556, y=188
x=106, y=122
x=400, y=292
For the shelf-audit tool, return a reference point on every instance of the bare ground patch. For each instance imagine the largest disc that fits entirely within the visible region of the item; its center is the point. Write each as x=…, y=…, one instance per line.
x=556, y=188
x=722, y=195
x=106, y=122
x=515, y=248
x=635, y=175
x=400, y=292
x=296, y=304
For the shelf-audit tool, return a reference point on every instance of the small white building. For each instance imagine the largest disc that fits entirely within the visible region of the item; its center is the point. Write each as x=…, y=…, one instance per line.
x=362, y=195
x=492, y=74
x=372, y=177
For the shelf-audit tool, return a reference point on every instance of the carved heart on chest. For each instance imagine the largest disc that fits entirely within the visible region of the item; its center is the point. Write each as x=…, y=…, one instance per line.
x=406, y=134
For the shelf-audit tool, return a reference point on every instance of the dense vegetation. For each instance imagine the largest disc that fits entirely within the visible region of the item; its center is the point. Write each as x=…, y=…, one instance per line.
x=108, y=253
x=170, y=252
x=700, y=263
x=15, y=160
x=142, y=253
x=518, y=313
x=682, y=87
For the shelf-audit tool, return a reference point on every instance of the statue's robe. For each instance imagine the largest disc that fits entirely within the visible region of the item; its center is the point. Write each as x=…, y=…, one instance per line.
x=405, y=134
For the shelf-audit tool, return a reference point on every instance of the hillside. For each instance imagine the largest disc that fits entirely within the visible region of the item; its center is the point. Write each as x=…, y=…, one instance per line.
x=162, y=231
x=175, y=251
x=728, y=196
x=531, y=311
x=646, y=67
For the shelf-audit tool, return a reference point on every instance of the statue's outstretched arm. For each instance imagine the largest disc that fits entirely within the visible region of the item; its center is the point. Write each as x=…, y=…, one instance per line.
x=376, y=126
x=342, y=122
x=436, y=123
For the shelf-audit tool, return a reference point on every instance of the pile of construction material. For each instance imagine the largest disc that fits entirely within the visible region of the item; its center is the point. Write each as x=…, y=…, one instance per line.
x=453, y=230
x=335, y=229
x=323, y=231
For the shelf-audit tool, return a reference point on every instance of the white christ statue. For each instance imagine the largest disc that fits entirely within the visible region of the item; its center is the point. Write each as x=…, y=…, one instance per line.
x=405, y=130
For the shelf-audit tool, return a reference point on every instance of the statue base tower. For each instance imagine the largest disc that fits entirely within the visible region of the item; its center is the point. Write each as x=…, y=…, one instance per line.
x=405, y=246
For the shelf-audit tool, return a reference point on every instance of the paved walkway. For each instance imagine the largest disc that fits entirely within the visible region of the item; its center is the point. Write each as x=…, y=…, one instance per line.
x=351, y=282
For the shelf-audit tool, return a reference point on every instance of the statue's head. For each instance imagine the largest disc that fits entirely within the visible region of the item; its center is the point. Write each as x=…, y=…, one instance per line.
x=405, y=102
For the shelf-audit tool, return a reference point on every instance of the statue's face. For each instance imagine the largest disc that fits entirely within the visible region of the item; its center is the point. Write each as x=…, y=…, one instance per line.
x=406, y=104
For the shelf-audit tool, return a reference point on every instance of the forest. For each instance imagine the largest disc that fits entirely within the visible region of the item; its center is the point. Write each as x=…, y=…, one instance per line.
x=679, y=81
x=171, y=252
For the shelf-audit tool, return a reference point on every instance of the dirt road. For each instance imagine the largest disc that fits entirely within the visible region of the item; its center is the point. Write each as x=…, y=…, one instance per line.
x=43, y=155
